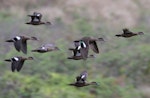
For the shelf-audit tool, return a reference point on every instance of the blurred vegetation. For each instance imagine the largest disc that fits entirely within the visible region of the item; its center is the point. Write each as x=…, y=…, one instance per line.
x=121, y=68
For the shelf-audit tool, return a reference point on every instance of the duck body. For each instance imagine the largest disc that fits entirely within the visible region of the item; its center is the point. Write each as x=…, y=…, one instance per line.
x=90, y=43
x=81, y=81
x=127, y=33
x=36, y=19
x=17, y=62
x=20, y=43
x=77, y=84
x=46, y=48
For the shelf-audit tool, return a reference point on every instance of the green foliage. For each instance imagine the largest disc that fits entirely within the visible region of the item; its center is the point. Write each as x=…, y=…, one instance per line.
x=49, y=74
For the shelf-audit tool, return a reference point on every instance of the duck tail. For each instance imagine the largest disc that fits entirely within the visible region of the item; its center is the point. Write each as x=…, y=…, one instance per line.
x=9, y=40
x=140, y=33
x=8, y=60
x=118, y=35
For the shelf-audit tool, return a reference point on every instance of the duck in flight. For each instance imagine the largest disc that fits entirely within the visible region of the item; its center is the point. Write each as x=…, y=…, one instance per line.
x=127, y=33
x=36, y=19
x=81, y=81
x=46, y=48
x=20, y=42
x=85, y=43
x=17, y=62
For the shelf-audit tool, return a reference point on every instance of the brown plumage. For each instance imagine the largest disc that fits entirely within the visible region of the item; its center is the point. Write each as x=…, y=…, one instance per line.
x=17, y=62
x=36, y=19
x=127, y=33
x=20, y=43
x=46, y=48
x=81, y=81
x=85, y=43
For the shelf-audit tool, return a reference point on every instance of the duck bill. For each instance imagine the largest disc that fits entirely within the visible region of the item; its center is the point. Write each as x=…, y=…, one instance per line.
x=118, y=35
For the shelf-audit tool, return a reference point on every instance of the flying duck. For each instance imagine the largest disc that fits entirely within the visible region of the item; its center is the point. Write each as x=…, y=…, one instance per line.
x=36, y=19
x=46, y=48
x=81, y=81
x=89, y=42
x=20, y=43
x=127, y=33
x=17, y=62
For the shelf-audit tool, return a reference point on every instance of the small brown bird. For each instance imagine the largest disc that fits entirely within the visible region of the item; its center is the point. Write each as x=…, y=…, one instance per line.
x=20, y=43
x=127, y=33
x=17, y=62
x=77, y=55
x=46, y=48
x=36, y=19
x=81, y=81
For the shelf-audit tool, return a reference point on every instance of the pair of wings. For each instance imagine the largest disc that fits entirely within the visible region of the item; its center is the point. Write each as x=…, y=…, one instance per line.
x=127, y=31
x=21, y=45
x=36, y=17
x=17, y=65
x=84, y=51
x=80, y=52
x=82, y=77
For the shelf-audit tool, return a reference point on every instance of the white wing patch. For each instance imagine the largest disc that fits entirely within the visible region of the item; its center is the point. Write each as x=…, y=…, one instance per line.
x=83, y=76
x=43, y=48
x=16, y=58
x=84, y=45
x=79, y=47
x=18, y=37
x=38, y=15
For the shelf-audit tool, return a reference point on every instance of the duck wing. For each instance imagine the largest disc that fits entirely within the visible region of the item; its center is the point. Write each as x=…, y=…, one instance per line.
x=17, y=45
x=14, y=65
x=84, y=53
x=24, y=46
x=94, y=47
x=20, y=65
x=82, y=77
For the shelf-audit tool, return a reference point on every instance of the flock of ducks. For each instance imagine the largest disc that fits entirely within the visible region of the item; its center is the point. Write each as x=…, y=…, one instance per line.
x=80, y=51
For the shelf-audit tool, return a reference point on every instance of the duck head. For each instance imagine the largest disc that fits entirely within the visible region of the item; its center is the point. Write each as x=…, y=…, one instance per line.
x=94, y=83
x=33, y=38
x=140, y=33
x=30, y=58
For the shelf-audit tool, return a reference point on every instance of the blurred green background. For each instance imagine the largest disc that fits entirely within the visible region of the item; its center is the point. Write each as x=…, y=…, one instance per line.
x=122, y=68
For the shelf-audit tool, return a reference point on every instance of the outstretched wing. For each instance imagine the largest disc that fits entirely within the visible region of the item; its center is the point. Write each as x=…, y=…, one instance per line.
x=20, y=65
x=17, y=45
x=94, y=46
x=24, y=46
x=13, y=66
x=82, y=77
